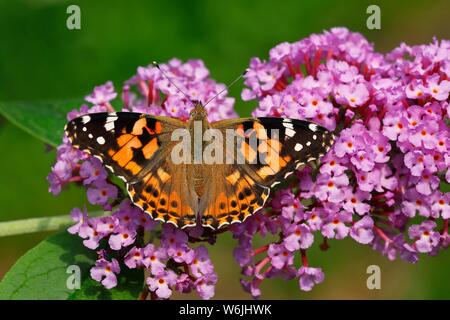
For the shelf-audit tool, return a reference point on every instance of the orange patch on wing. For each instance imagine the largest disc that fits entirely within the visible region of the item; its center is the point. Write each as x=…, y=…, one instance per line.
x=187, y=210
x=265, y=172
x=125, y=154
x=150, y=180
x=221, y=203
x=133, y=167
x=164, y=176
x=248, y=152
x=233, y=178
x=275, y=145
x=158, y=127
x=272, y=149
x=243, y=188
x=287, y=158
x=123, y=139
x=240, y=130
x=150, y=148
x=174, y=199
x=139, y=126
x=261, y=132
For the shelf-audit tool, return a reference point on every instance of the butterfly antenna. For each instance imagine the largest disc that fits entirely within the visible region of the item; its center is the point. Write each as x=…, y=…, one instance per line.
x=226, y=88
x=156, y=65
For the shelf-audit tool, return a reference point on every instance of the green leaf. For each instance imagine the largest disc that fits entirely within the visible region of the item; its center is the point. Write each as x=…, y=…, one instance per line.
x=44, y=120
x=129, y=287
x=42, y=273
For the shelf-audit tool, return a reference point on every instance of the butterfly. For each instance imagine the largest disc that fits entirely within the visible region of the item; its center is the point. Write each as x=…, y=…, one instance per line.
x=138, y=148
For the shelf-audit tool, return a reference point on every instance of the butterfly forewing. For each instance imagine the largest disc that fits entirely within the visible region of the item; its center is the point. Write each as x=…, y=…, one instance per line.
x=282, y=146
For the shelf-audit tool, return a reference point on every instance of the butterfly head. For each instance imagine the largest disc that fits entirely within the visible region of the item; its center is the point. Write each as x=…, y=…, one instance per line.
x=199, y=112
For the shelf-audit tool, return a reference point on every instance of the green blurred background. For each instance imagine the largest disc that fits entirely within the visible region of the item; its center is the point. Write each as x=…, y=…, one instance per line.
x=41, y=59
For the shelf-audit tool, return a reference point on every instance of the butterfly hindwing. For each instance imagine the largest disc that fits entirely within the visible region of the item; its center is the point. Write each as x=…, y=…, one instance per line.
x=164, y=193
x=232, y=196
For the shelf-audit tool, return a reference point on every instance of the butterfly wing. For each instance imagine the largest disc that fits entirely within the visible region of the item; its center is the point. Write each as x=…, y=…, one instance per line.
x=232, y=196
x=272, y=149
x=136, y=147
x=166, y=194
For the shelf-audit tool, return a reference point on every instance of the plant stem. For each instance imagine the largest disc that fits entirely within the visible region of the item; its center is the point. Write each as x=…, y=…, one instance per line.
x=24, y=226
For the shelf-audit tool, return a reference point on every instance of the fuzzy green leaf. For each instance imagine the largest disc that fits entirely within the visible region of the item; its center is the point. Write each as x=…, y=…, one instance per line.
x=129, y=287
x=44, y=120
x=42, y=273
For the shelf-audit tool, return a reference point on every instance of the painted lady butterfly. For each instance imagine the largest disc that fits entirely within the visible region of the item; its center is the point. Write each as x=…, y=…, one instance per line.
x=137, y=148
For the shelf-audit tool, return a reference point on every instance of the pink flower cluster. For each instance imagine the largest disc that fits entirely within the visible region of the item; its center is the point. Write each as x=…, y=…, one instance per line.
x=191, y=268
x=380, y=183
x=391, y=116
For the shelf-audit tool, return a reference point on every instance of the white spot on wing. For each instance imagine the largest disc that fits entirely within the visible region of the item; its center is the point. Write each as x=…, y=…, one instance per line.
x=188, y=225
x=289, y=125
x=171, y=222
x=84, y=129
x=312, y=127
x=109, y=126
x=299, y=164
x=90, y=136
x=308, y=143
x=290, y=132
x=287, y=174
x=223, y=224
x=101, y=140
x=298, y=147
x=274, y=184
x=111, y=118
x=85, y=119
